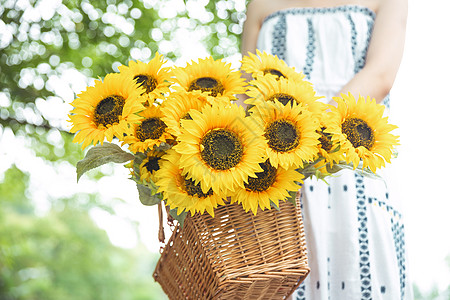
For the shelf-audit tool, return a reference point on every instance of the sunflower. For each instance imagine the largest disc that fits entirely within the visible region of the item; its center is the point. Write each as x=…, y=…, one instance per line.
x=176, y=107
x=210, y=78
x=181, y=192
x=150, y=132
x=105, y=110
x=269, y=88
x=270, y=185
x=151, y=76
x=150, y=165
x=220, y=147
x=263, y=63
x=365, y=132
x=329, y=148
x=290, y=132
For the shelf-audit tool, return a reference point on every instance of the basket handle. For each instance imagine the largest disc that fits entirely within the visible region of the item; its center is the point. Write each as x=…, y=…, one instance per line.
x=161, y=235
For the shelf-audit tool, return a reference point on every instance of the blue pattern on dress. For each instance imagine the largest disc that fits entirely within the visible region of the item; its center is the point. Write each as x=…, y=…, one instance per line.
x=310, y=53
x=279, y=38
x=387, y=101
x=364, y=263
x=328, y=277
x=361, y=62
x=299, y=293
x=394, y=213
x=321, y=10
x=398, y=232
x=353, y=42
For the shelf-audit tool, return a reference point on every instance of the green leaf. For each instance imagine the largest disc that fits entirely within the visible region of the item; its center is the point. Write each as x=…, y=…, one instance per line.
x=148, y=196
x=138, y=158
x=338, y=147
x=100, y=155
x=335, y=168
x=394, y=154
x=309, y=169
x=291, y=198
x=272, y=204
x=162, y=147
x=149, y=183
x=179, y=217
x=364, y=172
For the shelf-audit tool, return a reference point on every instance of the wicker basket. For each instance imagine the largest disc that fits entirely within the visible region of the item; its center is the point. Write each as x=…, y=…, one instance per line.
x=235, y=255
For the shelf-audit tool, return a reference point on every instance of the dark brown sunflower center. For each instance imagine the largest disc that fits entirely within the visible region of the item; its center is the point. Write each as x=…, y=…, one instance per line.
x=282, y=135
x=186, y=116
x=152, y=164
x=325, y=140
x=207, y=84
x=283, y=98
x=273, y=72
x=148, y=82
x=264, y=180
x=359, y=133
x=193, y=189
x=222, y=149
x=151, y=128
x=108, y=111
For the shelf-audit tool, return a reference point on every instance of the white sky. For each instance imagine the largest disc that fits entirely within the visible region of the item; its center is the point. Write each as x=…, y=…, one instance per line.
x=420, y=106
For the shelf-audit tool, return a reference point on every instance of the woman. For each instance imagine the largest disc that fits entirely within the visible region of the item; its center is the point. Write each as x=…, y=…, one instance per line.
x=354, y=230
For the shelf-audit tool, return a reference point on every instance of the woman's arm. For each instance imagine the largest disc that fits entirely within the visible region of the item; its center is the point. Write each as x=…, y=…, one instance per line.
x=249, y=38
x=257, y=10
x=251, y=28
x=384, y=53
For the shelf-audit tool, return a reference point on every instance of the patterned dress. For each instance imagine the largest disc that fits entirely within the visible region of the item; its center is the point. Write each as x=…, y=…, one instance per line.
x=354, y=229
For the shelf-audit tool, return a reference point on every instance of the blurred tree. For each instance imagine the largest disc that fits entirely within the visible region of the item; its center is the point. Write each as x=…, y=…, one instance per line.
x=49, y=49
x=63, y=254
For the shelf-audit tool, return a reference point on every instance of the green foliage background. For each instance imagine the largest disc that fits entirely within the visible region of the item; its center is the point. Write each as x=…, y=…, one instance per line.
x=49, y=51
x=63, y=254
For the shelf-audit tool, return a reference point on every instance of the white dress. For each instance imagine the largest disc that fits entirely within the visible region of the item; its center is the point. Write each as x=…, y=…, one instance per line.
x=354, y=230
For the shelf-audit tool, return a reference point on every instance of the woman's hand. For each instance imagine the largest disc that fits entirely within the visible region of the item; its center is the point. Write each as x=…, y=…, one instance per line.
x=384, y=53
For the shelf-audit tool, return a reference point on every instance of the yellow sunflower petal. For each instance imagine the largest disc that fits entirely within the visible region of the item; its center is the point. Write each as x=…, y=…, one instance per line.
x=177, y=106
x=220, y=146
x=209, y=78
x=290, y=132
x=285, y=90
x=263, y=63
x=99, y=112
x=270, y=185
x=181, y=192
x=151, y=76
x=366, y=135
x=150, y=132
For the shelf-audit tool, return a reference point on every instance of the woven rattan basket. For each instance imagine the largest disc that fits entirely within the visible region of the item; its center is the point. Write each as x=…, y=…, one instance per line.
x=235, y=255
